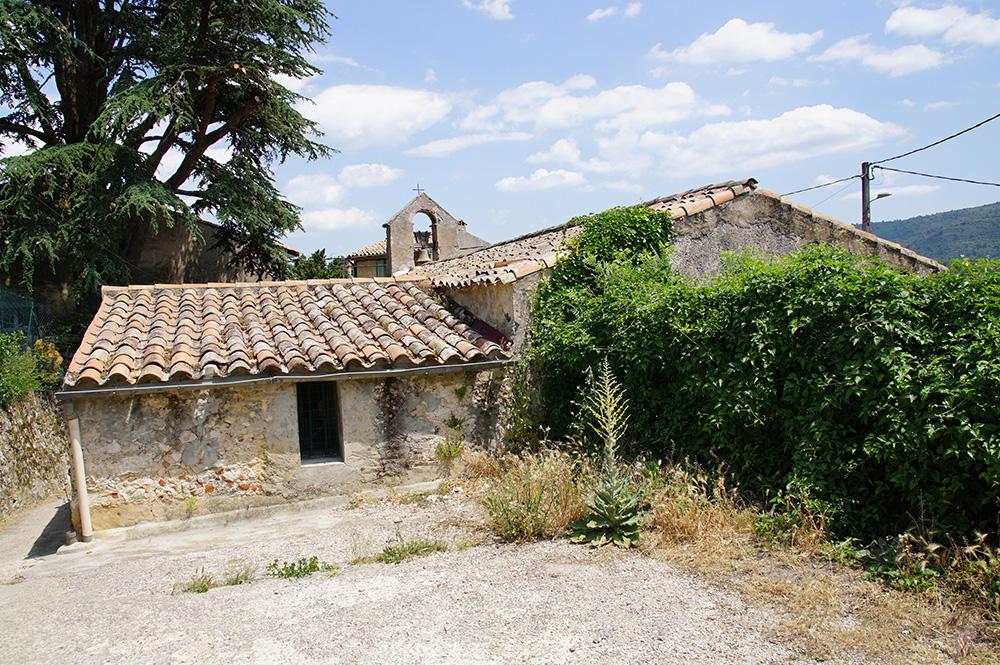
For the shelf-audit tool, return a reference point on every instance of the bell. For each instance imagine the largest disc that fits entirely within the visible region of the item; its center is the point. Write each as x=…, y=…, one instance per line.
x=422, y=256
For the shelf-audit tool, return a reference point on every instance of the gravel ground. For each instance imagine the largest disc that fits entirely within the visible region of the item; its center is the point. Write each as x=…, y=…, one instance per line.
x=548, y=602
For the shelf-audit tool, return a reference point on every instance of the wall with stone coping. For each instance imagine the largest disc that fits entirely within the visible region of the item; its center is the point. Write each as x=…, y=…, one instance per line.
x=33, y=453
x=163, y=455
x=769, y=225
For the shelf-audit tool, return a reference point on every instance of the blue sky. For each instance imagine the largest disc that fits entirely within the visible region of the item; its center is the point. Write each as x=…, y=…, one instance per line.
x=515, y=115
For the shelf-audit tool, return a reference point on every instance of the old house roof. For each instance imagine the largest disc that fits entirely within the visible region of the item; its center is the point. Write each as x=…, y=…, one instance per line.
x=372, y=250
x=153, y=334
x=507, y=261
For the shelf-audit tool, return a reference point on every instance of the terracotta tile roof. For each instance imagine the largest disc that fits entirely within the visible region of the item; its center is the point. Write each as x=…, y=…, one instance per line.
x=508, y=261
x=151, y=334
x=374, y=249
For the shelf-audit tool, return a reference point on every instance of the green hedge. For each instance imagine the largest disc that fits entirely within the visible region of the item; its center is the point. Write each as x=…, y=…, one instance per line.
x=27, y=369
x=876, y=389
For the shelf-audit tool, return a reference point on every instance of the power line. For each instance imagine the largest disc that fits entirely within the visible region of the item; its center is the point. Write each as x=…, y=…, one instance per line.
x=931, y=145
x=822, y=201
x=825, y=184
x=939, y=177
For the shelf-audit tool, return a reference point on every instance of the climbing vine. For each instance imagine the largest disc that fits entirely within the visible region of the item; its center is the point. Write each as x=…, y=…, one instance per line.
x=876, y=389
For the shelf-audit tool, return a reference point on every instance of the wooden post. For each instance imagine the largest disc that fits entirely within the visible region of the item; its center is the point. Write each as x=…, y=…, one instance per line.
x=866, y=203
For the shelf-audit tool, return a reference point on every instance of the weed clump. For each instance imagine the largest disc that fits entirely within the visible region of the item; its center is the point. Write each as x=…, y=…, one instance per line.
x=399, y=550
x=536, y=496
x=300, y=568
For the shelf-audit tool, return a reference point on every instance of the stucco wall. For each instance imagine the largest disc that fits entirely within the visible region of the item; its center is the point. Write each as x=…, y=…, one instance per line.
x=162, y=455
x=762, y=222
x=506, y=307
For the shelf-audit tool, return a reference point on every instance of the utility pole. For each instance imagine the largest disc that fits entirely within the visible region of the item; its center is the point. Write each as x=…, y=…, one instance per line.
x=866, y=203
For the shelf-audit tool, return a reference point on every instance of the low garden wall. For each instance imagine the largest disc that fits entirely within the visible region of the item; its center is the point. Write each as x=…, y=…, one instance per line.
x=33, y=453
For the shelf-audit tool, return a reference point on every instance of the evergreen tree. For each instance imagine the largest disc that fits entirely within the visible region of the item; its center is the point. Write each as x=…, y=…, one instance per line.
x=146, y=114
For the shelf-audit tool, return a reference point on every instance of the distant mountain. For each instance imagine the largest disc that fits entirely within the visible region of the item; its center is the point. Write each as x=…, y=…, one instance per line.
x=969, y=232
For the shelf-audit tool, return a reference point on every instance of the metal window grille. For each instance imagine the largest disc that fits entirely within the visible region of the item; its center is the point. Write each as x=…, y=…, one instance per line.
x=319, y=421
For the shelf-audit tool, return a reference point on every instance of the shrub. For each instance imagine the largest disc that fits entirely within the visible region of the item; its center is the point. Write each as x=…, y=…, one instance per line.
x=450, y=449
x=18, y=368
x=25, y=370
x=875, y=390
x=536, y=497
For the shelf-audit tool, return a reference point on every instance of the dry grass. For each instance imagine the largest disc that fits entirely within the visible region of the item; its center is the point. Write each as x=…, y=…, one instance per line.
x=535, y=496
x=821, y=609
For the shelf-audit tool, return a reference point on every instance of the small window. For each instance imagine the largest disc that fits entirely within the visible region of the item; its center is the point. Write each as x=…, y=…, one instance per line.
x=319, y=422
x=380, y=268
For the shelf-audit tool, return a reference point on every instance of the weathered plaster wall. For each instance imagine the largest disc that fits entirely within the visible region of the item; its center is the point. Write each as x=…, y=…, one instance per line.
x=506, y=307
x=33, y=453
x=762, y=222
x=163, y=455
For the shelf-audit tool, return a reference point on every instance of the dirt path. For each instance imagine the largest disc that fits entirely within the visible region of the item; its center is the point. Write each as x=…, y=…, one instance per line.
x=544, y=603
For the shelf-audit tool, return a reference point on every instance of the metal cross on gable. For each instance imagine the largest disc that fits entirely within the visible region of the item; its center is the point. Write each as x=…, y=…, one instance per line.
x=418, y=189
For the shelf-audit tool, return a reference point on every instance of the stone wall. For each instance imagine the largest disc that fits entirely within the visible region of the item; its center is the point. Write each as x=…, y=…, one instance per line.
x=33, y=453
x=765, y=223
x=506, y=307
x=161, y=455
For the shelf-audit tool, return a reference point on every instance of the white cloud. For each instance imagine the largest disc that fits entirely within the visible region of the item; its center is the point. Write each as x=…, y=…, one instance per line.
x=953, y=23
x=375, y=114
x=368, y=175
x=10, y=148
x=904, y=190
x=443, y=147
x=544, y=105
x=941, y=104
x=599, y=14
x=566, y=151
x=739, y=41
x=798, y=134
x=541, y=179
x=498, y=10
x=907, y=103
x=894, y=62
x=430, y=76
x=318, y=188
x=292, y=83
x=632, y=9
x=338, y=219
x=782, y=82
x=340, y=60
x=624, y=186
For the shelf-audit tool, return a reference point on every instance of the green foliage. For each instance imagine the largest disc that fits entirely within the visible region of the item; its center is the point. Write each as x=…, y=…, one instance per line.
x=613, y=508
x=535, y=497
x=399, y=550
x=876, y=390
x=613, y=513
x=794, y=519
x=450, y=449
x=303, y=567
x=317, y=266
x=136, y=82
x=969, y=232
x=200, y=582
x=25, y=370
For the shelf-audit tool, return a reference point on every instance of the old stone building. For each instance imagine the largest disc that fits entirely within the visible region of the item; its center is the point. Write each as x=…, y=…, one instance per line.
x=496, y=282
x=212, y=397
x=403, y=247
x=216, y=396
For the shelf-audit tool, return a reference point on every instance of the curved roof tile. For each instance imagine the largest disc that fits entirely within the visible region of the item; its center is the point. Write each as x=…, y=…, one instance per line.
x=270, y=328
